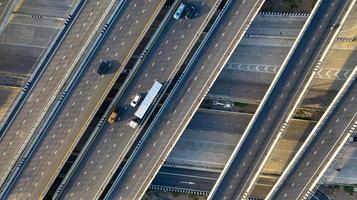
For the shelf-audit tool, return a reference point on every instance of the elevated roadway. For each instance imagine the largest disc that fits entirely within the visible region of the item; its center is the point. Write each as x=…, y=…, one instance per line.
x=184, y=100
x=185, y=179
x=106, y=151
x=44, y=90
x=271, y=119
x=321, y=147
x=6, y=8
x=132, y=19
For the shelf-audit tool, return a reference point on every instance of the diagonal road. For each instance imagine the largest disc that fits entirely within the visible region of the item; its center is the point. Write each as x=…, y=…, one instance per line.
x=85, y=96
x=321, y=147
x=43, y=94
x=113, y=141
x=248, y=159
x=184, y=100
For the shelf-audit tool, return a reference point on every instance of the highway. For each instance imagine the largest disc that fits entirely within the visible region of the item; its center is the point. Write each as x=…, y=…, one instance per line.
x=47, y=87
x=112, y=142
x=185, y=179
x=6, y=7
x=86, y=94
x=241, y=171
x=322, y=149
x=184, y=100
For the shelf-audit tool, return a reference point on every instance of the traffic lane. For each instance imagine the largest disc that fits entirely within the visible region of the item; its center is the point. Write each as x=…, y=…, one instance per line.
x=240, y=91
x=4, y=6
x=165, y=127
x=234, y=183
x=278, y=22
x=205, y=154
x=218, y=121
x=209, y=149
x=112, y=142
x=209, y=139
x=63, y=133
x=332, y=131
x=185, y=178
x=260, y=54
x=18, y=131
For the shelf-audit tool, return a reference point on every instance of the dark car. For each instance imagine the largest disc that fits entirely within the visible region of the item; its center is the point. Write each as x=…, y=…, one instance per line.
x=191, y=12
x=104, y=68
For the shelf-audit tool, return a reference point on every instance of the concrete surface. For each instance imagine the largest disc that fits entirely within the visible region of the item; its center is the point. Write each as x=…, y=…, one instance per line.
x=344, y=171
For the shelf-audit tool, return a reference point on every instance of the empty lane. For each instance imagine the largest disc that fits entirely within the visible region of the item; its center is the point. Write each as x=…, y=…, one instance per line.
x=241, y=173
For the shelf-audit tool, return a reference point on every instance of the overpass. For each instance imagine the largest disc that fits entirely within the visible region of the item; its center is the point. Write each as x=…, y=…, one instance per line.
x=323, y=145
x=110, y=143
x=183, y=101
x=124, y=30
x=281, y=100
x=46, y=87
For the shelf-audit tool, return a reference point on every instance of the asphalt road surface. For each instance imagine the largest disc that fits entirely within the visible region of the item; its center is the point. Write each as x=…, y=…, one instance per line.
x=337, y=125
x=113, y=141
x=241, y=171
x=61, y=137
x=146, y=162
x=29, y=117
x=5, y=6
x=188, y=179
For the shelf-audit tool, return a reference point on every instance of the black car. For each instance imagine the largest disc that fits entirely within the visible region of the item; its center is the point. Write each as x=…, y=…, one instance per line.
x=191, y=12
x=103, y=68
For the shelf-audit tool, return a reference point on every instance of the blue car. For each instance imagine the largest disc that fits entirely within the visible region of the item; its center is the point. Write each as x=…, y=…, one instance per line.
x=180, y=10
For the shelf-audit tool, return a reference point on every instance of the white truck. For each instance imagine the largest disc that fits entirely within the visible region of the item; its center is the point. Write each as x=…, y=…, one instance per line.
x=145, y=104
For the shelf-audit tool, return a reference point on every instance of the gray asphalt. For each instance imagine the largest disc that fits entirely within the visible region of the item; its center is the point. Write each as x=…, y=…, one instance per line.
x=328, y=138
x=64, y=132
x=284, y=95
x=5, y=5
x=208, y=145
x=189, y=179
x=41, y=97
x=284, y=26
x=144, y=165
x=113, y=141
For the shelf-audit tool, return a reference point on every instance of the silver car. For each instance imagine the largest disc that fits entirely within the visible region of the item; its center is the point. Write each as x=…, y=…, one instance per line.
x=180, y=10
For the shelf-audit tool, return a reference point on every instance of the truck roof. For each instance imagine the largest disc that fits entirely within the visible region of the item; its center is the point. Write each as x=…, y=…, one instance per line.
x=149, y=98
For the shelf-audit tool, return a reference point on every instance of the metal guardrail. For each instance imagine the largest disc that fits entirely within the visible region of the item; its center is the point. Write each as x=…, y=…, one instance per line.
x=165, y=154
x=317, y=126
x=85, y=62
x=40, y=69
x=111, y=106
x=155, y=119
x=59, y=100
x=297, y=103
x=267, y=94
x=6, y=14
x=283, y=14
x=341, y=147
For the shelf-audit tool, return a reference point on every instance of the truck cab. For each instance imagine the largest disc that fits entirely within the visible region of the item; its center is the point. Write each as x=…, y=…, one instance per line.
x=134, y=123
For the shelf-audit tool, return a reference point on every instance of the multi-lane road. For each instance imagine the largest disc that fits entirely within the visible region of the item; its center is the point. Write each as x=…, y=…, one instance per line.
x=6, y=7
x=113, y=141
x=185, y=179
x=241, y=172
x=326, y=141
x=47, y=87
x=87, y=93
x=184, y=100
